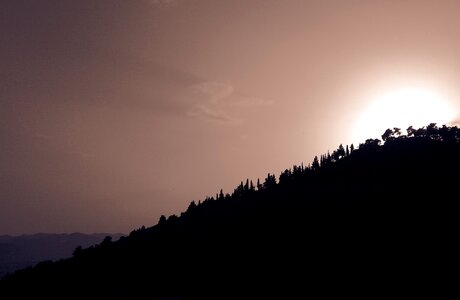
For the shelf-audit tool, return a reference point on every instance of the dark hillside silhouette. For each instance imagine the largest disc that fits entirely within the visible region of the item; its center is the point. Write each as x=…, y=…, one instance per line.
x=18, y=252
x=374, y=220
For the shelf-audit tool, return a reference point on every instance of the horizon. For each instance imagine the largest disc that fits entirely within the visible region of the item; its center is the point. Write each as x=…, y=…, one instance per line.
x=117, y=112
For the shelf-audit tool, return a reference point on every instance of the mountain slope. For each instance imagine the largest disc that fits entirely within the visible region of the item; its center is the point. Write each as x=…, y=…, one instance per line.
x=380, y=220
x=18, y=252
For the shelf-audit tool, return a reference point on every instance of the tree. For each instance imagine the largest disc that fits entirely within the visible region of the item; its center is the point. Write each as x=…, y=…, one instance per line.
x=259, y=185
x=172, y=218
x=340, y=152
x=448, y=134
x=370, y=144
x=335, y=156
x=421, y=132
x=246, y=186
x=162, y=220
x=315, y=163
x=410, y=131
x=192, y=206
x=387, y=135
x=239, y=191
x=270, y=181
x=107, y=241
x=432, y=131
x=285, y=176
x=78, y=251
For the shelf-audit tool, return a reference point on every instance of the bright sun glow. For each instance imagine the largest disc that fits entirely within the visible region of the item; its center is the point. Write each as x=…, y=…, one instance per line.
x=402, y=108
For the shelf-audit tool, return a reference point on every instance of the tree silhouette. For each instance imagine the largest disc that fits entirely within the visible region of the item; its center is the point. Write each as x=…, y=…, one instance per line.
x=340, y=152
x=410, y=131
x=347, y=211
x=77, y=252
x=162, y=220
x=315, y=163
x=270, y=181
x=246, y=186
x=387, y=134
x=259, y=185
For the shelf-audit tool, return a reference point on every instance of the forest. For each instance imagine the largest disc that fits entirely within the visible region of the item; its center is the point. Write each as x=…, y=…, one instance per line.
x=374, y=219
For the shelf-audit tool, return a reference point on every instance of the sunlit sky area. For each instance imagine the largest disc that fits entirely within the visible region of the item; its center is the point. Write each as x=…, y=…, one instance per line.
x=115, y=112
x=402, y=108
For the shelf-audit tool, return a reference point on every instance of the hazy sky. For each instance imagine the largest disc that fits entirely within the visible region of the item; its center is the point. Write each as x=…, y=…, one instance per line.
x=115, y=112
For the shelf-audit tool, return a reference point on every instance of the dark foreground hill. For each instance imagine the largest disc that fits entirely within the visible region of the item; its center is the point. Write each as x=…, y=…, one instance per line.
x=18, y=252
x=376, y=221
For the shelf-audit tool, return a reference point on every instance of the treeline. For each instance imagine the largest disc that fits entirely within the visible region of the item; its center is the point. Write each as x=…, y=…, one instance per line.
x=247, y=194
x=345, y=223
x=446, y=134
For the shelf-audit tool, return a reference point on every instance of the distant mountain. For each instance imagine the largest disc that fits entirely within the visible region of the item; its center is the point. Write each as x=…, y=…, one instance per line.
x=376, y=221
x=18, y=252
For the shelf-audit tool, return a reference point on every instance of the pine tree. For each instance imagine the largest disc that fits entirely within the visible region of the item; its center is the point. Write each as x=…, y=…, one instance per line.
x=246, y=185
x=315, y=163
x=340, y=152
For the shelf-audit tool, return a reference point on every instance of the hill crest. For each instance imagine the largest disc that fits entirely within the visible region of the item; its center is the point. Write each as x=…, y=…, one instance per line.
x=369, y=211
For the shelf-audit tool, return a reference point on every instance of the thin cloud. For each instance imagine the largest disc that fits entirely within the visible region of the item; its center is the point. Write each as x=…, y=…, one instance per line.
x=162, y=3
x=213, y=101
x=210, y=103
x=252, y=101
x=215, y=91
x=211, y=114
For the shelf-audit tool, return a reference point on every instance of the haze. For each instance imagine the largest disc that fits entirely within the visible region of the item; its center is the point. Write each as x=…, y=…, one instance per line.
x=116, y=112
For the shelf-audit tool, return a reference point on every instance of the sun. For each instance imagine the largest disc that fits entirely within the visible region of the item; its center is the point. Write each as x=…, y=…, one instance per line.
x=402, y=108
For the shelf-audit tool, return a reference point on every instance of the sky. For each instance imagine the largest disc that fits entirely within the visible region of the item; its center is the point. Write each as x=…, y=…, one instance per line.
x=115, y=112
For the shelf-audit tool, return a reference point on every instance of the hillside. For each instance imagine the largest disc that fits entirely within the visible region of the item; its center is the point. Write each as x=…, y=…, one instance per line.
x=18, y=252
x=376, y=220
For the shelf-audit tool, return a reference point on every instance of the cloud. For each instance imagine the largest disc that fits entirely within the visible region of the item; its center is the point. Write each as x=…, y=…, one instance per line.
x=217, y=101
x=162, y=3
x=251, y=101
x=211, y=101
x=212, y=114
x=215, y=91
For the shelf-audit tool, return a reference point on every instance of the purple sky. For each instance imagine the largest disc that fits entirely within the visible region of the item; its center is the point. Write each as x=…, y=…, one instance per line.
x=115, y=112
